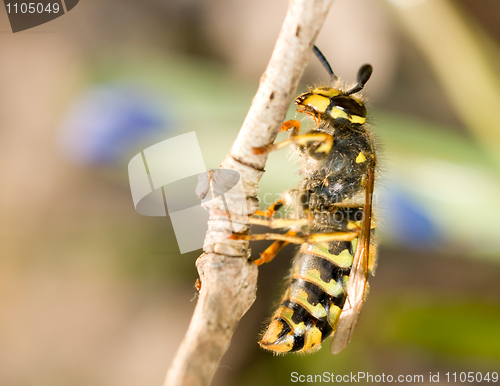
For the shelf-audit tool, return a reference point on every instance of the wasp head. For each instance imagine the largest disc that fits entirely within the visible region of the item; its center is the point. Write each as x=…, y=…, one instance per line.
x=332, y=103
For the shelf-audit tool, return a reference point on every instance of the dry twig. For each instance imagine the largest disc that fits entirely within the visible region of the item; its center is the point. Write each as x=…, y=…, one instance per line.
x=229, y=280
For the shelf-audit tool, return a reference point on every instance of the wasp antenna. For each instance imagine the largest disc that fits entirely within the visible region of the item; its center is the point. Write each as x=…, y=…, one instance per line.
x=364, y=74
x=324, y=62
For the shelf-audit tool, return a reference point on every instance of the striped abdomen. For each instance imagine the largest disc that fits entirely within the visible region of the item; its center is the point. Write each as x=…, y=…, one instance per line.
x=312, y=304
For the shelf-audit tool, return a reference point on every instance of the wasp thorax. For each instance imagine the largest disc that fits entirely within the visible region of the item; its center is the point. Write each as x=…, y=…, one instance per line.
x=326, y=102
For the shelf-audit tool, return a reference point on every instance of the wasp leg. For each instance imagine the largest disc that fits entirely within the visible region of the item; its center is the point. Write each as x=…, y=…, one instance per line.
x=326, y=141
x=333, y=236
x=197, y=285
x=273, y=223
x=310, y=239
x=268, y=213
x=273, y=208
x=292, y=126
x=279, y=223
x=271, y=251
x=269, y=220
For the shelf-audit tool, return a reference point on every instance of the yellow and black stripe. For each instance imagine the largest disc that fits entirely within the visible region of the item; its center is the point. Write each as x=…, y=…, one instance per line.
x=312, y=304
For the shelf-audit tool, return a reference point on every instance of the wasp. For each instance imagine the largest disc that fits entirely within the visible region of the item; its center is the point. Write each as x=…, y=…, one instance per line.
x=332, y=220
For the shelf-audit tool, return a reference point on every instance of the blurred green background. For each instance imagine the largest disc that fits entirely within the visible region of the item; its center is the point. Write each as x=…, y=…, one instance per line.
x=92, y=293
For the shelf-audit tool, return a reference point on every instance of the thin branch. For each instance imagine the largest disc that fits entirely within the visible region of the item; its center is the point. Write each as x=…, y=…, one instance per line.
x=229, y=280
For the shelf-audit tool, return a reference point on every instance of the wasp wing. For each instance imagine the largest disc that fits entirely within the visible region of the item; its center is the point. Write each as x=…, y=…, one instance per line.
x=358, y=278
